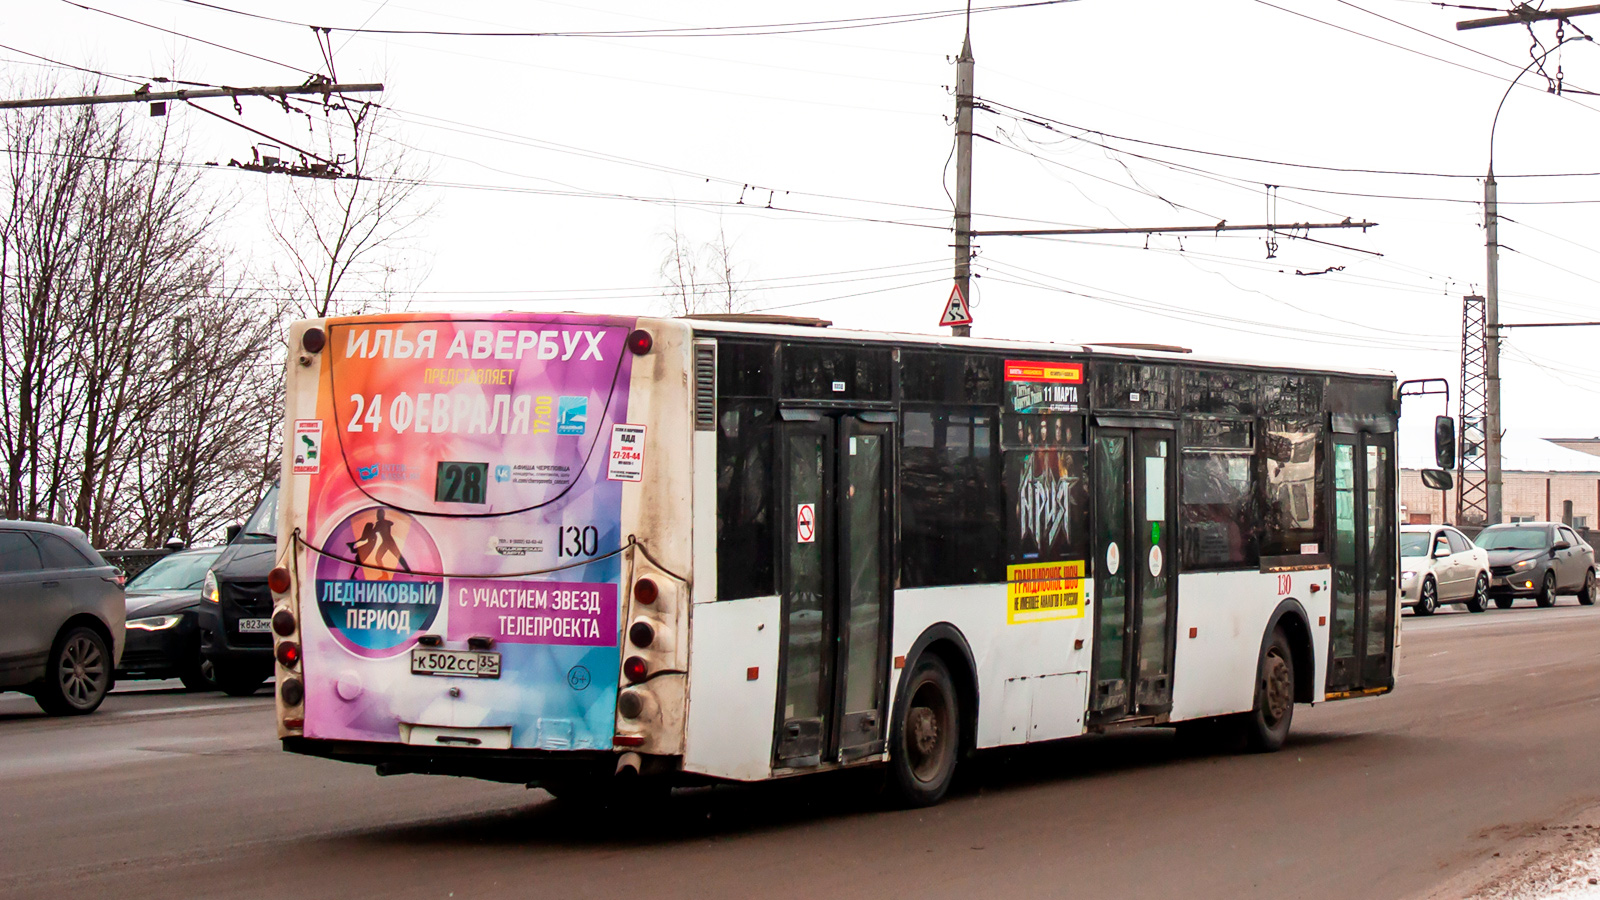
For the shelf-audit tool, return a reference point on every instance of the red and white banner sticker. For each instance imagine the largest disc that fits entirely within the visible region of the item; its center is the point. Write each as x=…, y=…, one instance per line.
x=626, y=462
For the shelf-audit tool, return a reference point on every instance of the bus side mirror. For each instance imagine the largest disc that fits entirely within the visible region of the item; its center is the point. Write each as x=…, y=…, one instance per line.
x=1444, y=443
x=233, y=531
x=1438, y=479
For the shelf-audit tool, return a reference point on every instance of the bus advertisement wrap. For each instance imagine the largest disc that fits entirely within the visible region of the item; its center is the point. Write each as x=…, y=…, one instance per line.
x=446, y=440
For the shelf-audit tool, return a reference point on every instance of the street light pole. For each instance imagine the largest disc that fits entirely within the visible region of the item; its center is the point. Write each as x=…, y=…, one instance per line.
x=1491, y=308
x=1491, y=350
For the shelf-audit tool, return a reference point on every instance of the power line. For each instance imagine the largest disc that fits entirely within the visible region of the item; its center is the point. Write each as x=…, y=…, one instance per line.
x=1406, y=49
x=803, y=27
x=1046, y=122
x=190, y=37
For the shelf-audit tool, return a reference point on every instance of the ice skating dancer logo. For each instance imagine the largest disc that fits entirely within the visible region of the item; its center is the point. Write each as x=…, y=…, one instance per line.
x=377, y=550
x=376, y=582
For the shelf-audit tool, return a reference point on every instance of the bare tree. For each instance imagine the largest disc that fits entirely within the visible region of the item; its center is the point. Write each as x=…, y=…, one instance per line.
x=106, y=254
x=350, y=234
x=701, y=277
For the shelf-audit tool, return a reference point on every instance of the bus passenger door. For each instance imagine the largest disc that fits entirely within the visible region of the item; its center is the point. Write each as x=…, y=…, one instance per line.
x=1134, y=472
x=1361, y=640
x=836, y=487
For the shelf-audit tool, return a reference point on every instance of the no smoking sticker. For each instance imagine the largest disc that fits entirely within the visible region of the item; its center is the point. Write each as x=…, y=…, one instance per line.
x=805, y=523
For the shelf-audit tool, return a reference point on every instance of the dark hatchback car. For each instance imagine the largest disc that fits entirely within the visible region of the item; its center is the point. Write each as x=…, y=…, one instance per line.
x=235, y=617
x=1538, y=560
x=163, y=604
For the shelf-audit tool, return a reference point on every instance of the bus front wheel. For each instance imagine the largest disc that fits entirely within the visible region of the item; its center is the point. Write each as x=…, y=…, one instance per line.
x=1266, y=726
x=926, y=739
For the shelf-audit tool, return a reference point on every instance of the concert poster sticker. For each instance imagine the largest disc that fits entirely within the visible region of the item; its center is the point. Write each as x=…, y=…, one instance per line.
x=626, y=460
x=307, y=446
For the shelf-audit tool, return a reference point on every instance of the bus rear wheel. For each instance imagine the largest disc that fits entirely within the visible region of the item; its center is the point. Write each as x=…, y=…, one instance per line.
x=1266, y=726
x=926, y=739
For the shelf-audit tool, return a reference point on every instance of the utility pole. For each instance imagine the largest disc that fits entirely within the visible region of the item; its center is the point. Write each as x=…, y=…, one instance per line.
x=1521, y=14
x=964, y=69
x=1491, y=354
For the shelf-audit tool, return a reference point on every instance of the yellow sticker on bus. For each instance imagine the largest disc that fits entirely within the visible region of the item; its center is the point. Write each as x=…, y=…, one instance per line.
x=1043, y=592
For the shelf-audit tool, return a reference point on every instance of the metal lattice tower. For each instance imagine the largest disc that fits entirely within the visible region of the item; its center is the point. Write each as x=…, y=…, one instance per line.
x=1472, y=477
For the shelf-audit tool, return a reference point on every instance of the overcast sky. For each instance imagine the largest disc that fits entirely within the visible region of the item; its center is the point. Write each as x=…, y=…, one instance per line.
x=560, y=164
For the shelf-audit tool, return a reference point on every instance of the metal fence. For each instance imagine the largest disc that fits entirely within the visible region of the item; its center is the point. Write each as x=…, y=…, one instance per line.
x=132, y=562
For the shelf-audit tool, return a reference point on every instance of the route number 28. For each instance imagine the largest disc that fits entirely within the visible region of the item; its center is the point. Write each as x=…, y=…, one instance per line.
x=1285, y=584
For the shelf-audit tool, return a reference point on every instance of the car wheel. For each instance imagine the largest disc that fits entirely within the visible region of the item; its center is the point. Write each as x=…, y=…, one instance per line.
x=78, y=674
x=1504, y=602
x=1480, y=595
x=1547, y=591
x=1267, y=726
x=241, y=681
x=1586, y=596
x=199, y=675
x=1428, y=598
x=927, y=738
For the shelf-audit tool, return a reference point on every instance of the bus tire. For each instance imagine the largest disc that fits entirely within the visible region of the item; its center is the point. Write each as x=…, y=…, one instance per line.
x=1504, y=602
x=1266, y=726
x=925, y=742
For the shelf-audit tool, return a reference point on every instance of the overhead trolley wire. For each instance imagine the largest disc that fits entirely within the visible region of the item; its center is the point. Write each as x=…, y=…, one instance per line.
x=758, y=30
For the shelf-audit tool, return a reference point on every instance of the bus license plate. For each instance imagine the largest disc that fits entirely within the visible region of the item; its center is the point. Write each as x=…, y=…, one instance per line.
x=463, y=663
x=255, y=626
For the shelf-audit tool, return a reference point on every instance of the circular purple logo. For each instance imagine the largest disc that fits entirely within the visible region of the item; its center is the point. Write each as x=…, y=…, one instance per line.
x=368, y=589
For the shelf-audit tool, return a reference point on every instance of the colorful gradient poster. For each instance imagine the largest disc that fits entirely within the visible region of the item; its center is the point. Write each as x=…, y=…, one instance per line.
x=461, y=492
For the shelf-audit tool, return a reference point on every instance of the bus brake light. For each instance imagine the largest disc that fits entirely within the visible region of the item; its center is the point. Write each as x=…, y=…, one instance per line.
x=634, y=669
x=278, y=580
x=645, y=591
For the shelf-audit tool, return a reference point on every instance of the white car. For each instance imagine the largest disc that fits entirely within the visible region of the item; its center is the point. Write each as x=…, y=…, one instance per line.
x=1439, y=565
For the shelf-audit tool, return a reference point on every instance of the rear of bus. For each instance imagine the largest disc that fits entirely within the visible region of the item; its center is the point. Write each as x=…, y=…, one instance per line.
x=476, y=510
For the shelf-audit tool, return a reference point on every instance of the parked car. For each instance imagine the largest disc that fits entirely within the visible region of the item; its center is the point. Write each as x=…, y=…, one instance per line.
x=61, y=605
x=163, y=605
x=235, y=615
x=1439, y=565
x=1538, y=560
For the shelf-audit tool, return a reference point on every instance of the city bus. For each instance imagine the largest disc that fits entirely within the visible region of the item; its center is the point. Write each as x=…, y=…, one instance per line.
x=582, y=551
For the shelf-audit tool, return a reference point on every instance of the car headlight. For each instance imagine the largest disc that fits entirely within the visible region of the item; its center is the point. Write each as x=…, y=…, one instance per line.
x=210, y=591
x=1527, y=564
x=155, y=623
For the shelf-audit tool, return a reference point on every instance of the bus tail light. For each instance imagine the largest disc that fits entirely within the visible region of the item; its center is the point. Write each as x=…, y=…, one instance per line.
x=289, y=654
x=645, y=591
x=283, y=623
x=313, y=340
x=634, y=669
x=641, y=634
x=630, y=704
x=278, y=580
x=640, y=342
x=628, y=740
x=291, y=693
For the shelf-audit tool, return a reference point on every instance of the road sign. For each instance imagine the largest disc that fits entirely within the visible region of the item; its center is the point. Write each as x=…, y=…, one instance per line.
x=806, y=523
x=956, y=311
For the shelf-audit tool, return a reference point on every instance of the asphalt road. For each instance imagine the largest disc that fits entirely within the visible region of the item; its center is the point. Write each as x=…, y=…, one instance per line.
x=1495, y=729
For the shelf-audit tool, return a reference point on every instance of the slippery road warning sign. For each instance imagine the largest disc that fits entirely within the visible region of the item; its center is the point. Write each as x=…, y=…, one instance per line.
x=956, y=311
x=805, y=524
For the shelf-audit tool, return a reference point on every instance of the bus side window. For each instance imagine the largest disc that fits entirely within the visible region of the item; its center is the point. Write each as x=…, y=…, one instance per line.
x=950, y=529
x=1218, y=509
x=744, y=499
x=1292, y=513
